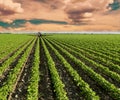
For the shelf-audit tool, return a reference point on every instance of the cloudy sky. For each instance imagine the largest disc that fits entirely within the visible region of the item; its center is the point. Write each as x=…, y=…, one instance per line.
x=60, y=15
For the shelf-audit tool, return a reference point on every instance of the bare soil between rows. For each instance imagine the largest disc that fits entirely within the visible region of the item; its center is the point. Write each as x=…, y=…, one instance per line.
x=73, y=91
x=20, y=90
x=46, y=89
x=5, y=74
x=93, y=85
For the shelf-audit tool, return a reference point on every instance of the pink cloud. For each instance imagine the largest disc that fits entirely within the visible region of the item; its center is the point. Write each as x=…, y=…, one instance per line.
x=90, y=14
x=8, y=7
x=81, y=11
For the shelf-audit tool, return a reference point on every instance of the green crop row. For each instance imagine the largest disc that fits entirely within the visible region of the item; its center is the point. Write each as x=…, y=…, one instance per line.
x=108, y=53
x=58, y=84
x=113, y=91
x=33, y=86
x=97, y=59
x=7, y=63
x=9, y=43
x=95, y=42
x=84, y=87
x=7, y=88
x=99, y=67
x=92, y=43
x=108, y=58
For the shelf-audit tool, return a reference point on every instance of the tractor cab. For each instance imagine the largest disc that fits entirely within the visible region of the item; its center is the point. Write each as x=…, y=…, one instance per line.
x=39, y=34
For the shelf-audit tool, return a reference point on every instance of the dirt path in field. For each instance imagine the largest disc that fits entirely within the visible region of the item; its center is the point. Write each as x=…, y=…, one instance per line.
x=21, y=86
x=46, y=90
x=73, y=92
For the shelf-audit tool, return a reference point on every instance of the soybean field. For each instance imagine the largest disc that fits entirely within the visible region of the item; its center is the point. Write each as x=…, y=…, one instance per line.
x=60, y=67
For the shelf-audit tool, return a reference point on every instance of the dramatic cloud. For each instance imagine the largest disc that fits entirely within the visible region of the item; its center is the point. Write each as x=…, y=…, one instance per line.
x=56, y=27
x=82, y=11
x=8, y=7
x=38, y=9
x=58, y=15
x=115, y=5
x=21, y=22
x=54, y=4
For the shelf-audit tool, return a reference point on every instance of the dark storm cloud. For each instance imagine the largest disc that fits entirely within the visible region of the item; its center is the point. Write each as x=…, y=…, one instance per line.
x=15, y=23
x=41, y=21
x=21, y=22
x=4, y=24
x=115, y=5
